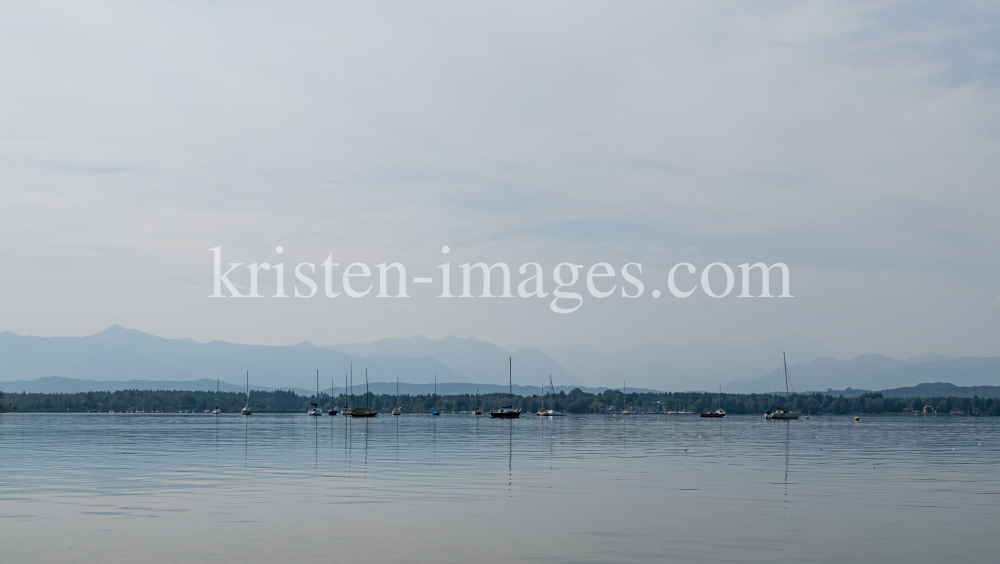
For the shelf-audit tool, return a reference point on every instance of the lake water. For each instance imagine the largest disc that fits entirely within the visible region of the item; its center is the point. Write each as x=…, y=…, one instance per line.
x=460, y=488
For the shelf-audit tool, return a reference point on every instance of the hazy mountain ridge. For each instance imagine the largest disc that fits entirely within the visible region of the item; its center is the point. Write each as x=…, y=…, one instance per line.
x=927, y=390
x=477, y=361
x=877, y=372
x=61, y=385
x=693, y=366
x=131, y=358
x=119, y=354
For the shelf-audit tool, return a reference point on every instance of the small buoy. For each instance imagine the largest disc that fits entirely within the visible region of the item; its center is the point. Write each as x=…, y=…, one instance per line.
x=859, y=419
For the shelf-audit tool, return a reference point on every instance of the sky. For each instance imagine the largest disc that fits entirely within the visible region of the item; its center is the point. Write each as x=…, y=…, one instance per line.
x=856, y=142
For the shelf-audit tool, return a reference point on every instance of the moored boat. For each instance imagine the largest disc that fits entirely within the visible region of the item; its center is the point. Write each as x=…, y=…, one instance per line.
x=246, y=408
x=775, y=412
x=314, y=410
x=507, y=411
x=364, y=411
x=718, y=412
x=216, y=411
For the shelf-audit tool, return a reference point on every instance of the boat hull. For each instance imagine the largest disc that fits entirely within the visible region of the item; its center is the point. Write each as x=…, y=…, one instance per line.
x=792, y=415
x=362, y=412
x=713, y=415
x=505, y=414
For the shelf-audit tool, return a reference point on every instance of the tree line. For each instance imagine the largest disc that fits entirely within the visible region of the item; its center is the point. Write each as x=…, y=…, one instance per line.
x=576, y=401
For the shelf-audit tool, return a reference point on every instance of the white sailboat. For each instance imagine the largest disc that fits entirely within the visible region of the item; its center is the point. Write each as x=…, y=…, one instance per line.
x=314, y=411
x=216, y=411
x=552, y=411
x=625, y=411
x=397, y=410
x=246, y=409
x=777, y=412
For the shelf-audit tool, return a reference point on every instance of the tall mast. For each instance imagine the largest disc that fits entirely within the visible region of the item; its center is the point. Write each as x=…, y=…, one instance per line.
x=785, y=362
x=317, y=388
x=510, y=375
x=248, y=388
x=366, y=388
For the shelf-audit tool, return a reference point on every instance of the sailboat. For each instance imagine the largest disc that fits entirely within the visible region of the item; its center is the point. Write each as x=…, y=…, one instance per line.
x=344, y=410
x=397, y=410
x=477, y=411
x=333, y=408
x=216, y=411
x=625, y=411
x=550, y=412
x=778, y=412
x=246, y=409
x=364, y=411
x=314, y=410
x=508, y=411
x=718, y=412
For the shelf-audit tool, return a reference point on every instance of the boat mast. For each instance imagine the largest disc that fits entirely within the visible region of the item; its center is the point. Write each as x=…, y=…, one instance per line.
x=248, y=388
x=317, y=388
x=553, y=393
x=785, y=362
x=510, y=375
x=366, y=388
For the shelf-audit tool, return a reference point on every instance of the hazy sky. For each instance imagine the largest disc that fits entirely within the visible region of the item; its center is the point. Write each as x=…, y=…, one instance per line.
x=856, y=142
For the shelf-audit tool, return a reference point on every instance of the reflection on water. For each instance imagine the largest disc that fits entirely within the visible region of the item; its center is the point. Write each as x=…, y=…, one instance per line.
x=168, y=488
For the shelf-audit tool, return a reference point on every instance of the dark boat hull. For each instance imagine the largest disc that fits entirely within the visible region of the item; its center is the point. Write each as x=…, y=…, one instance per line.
x=362, y=412
x=505, y=414
x=713, y=414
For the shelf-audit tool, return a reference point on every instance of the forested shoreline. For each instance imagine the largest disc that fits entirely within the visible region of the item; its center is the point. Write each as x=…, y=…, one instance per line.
x=576, y=401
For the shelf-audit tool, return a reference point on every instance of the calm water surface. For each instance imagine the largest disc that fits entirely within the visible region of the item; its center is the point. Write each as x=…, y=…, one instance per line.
x=460, y=488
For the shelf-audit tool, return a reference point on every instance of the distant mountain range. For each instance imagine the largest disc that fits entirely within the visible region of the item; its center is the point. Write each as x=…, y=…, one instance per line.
x=935, y=390
x=876, y=372
x=60, y=385
x=694, y=366
x=475, y=360
x=128, y=358
x=127, y=354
